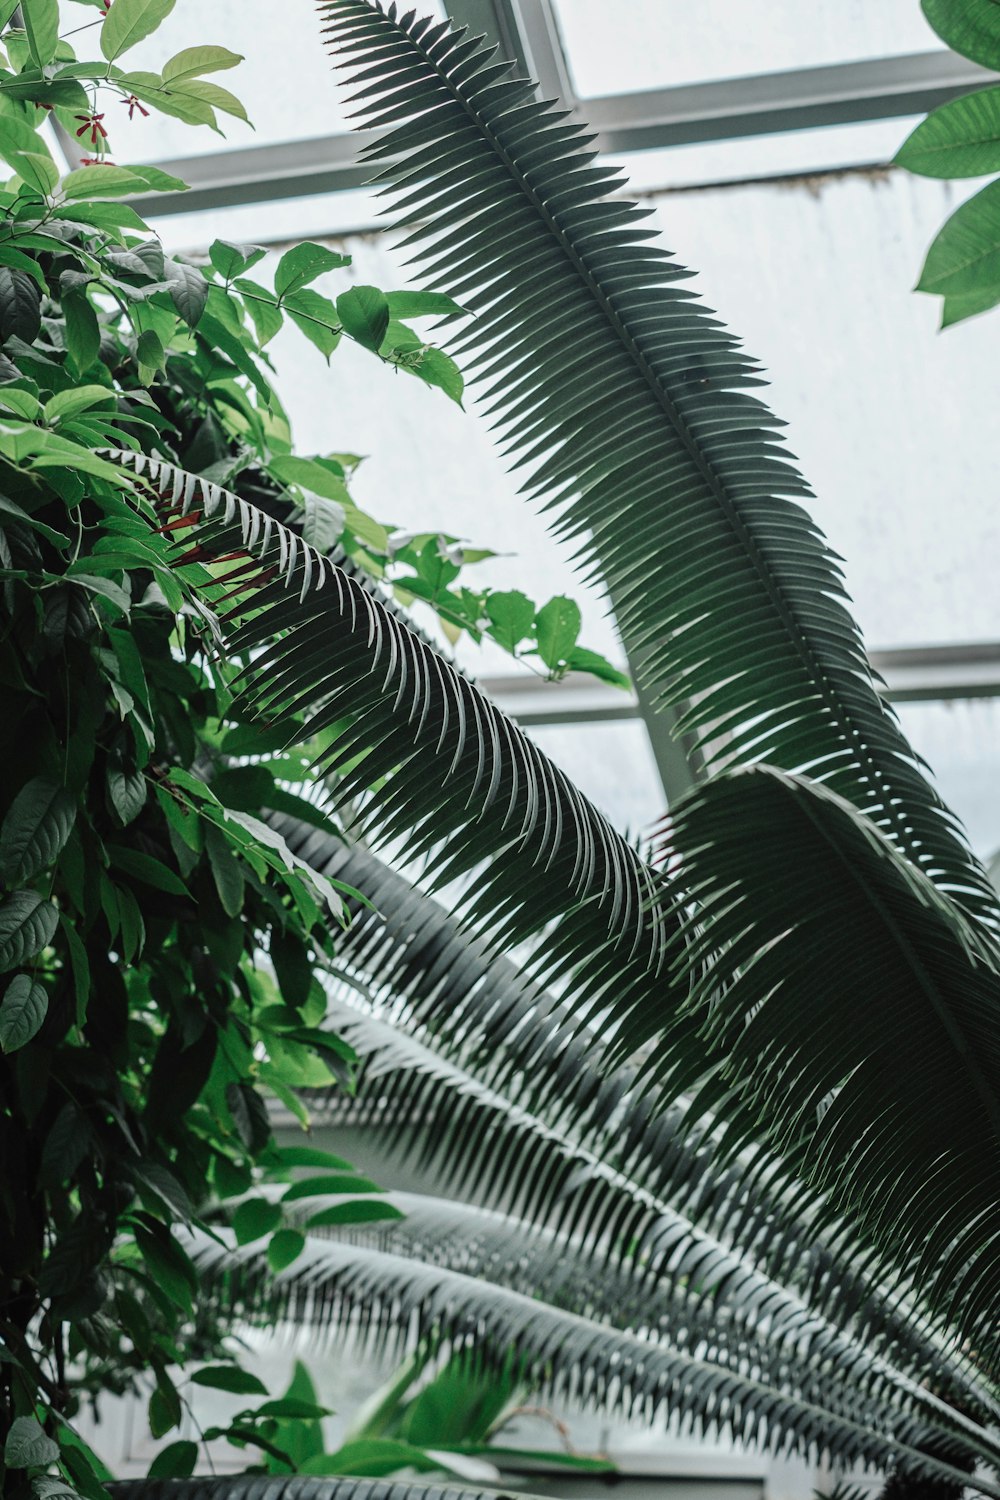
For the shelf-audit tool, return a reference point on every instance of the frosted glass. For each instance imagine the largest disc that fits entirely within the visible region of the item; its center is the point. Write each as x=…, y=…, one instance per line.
x=961, y=742
x=651, y=44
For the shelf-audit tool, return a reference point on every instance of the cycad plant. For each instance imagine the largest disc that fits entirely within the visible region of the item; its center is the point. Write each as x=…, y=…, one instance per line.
x=719, y=1129
x=723, y=1139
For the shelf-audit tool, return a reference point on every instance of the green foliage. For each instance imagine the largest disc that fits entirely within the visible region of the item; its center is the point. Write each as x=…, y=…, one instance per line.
x=960, y=139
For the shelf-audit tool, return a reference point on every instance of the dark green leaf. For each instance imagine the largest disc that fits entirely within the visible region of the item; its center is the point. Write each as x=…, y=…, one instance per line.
x=299, y=266
x=229, y=1378
x=971, y=27
x=35, y=829
x=28, y=1444
x=143, y=867
x=22, y=1012
x=20, y=305
x=41, y=22
x=364, y=313
x=557, y=626
x=129, y=21
x=254, y=1218
x=965, y=256
x=284, y=1247
x=512, y=616
x=958, y=139
x=176, y=1461
x=27, y=924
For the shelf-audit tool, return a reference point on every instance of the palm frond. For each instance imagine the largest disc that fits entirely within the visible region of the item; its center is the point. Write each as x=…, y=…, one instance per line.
x=858, y=1013
x=393, y=1301
x=632, y=406
x=297, y=1487
x=434, y=760
x=516, y=1046
x=681, y=1311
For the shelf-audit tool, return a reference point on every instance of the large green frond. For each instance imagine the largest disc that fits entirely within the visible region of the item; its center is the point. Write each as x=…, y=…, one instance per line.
x=632, y=406
x=517, y=1046
x=392, y=1300
x=433, y=760
x=857, y=1011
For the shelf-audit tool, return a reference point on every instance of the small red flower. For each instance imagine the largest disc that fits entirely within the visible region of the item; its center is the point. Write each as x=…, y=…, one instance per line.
x=133, y=105
x=93, y=124
x=95, y=161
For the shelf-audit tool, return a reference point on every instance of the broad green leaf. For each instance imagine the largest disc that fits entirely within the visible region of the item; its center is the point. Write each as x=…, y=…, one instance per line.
x=143, y=867
x=364, y=313
x=22, y=404
x=109, y=215
x=434, y=367
x=27, y=153
x=284, y=1247
x=316, y=317
x=81, y=330
x=170, y=1266
x=150, y=354
x=512, y=615
x=128, y=21
x=965, y=256
x=229, y=1378
x=309, y=475
x=188, y=290
x=41, y=22
x=102, y=181
x=158, y=181
x=10, y=256
x=192, y=62
x=227, y=871
x=22, y=1012
x=26, y=926
x=28, y=1444
x=263, y=308
x=232, y=260
x=557, y=626
x=36, y=827
x=959, y=139
x=176, y=1461
x=313, y=1187
x=299, y=266
x=126, y=793
x=212, y=94
x=971, y=27
x=255, y=1218
x=69, y=403
x=582, y=660
x=310, y=1156
x=20, y=305
x=957, y=308
x=357, y=1211
x=408, y=304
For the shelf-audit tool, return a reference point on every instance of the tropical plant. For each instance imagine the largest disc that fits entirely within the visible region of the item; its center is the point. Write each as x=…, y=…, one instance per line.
x=962, y=139
x=818, y=960
x=695, y=1093
x=140, y=1036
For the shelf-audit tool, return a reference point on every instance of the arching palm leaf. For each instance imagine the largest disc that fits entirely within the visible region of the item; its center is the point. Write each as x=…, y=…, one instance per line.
x=451, y=773
x=517, y=1046
x=389, y=1299
x=858, y=1013
x=632, y=404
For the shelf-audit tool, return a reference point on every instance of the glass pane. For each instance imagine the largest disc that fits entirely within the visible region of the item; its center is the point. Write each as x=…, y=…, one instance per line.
x=961, y=742
x=287, y=84
x=658, y=43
